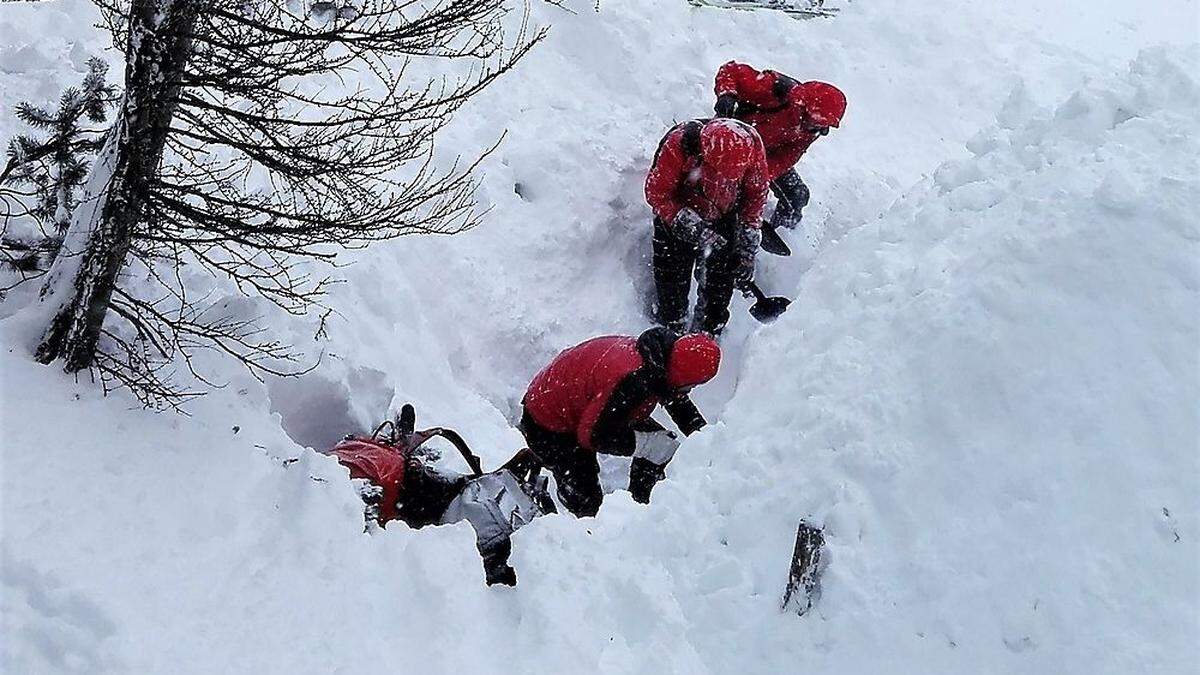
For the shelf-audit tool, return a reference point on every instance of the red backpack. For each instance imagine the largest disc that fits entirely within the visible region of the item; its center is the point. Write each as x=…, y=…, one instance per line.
x=390, y=459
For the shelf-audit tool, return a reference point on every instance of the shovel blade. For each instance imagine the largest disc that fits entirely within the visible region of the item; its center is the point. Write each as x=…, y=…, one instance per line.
x=769, y=309
x=774, y=244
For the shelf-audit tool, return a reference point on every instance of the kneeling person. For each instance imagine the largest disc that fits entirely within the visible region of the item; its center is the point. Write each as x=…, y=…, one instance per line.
x=597, y=397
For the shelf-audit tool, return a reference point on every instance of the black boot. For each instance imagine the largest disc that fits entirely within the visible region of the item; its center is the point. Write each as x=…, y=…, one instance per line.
x=643, y=476
x=496, y=569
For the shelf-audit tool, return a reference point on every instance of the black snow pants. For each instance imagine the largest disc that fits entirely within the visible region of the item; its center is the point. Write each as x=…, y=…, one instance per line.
x=792, y=195
x=576, y=469
x=674, y=261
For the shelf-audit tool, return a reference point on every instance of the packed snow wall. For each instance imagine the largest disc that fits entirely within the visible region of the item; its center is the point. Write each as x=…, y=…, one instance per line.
x=984, y=390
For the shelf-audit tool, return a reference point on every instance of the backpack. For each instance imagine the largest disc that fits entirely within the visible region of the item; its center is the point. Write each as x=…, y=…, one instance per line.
x=398, y=482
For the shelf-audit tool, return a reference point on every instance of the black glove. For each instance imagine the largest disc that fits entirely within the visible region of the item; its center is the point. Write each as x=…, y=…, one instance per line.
x=685, y=415
x=749, y=239
x=690, y=227
x=726, y=105
x=643, y=475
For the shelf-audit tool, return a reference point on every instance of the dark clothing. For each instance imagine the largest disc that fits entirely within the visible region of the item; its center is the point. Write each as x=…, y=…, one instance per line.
x=594, y=396
x=643, y=476
x=727, y=105
x=793, y=196
x=398, y=484
x=496, y=569
x=575, y=469
x=426, y=494
x=674, y=262
x=599, y=389
x=707, y=187
x=684, y=414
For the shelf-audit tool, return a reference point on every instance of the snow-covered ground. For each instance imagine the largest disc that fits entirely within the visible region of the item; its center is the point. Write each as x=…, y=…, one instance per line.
x=987, y=389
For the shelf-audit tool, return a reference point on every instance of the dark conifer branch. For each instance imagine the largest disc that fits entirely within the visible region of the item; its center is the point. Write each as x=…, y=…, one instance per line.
x=256, y=140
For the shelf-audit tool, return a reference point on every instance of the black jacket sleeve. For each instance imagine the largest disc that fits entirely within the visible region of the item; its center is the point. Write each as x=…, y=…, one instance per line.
x=612, y=434
x=685, y=415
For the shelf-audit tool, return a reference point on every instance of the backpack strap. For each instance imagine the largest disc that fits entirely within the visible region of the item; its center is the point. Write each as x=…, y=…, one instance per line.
x=780, y=89
x=420, y=437
x=690, y=141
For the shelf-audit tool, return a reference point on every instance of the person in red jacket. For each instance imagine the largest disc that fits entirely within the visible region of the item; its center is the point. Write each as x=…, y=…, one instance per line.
x=789, y=116
x=597, y=397
x=707, y=188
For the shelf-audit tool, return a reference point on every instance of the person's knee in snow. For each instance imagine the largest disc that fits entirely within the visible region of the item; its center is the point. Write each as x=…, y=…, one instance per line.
x=576, y=474
x=581, y=498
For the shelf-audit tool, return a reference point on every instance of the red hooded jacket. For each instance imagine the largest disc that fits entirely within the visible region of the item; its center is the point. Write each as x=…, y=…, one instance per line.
x=381, y=464
x=780, y=109
x=577, y=390
x=715, y=167
x=410, y=490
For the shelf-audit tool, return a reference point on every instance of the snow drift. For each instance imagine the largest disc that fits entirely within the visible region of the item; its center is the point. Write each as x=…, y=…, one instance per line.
x=987, y=393
x=985, y=390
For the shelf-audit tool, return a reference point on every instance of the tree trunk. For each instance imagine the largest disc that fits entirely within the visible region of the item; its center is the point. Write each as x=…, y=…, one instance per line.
x=158, y=48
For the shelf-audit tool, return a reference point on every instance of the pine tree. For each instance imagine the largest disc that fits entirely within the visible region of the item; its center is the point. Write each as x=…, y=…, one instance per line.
x=44, y=174
x=222, y=99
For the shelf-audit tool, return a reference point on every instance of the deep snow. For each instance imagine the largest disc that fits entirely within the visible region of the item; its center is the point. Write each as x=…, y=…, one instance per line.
x=986, y=389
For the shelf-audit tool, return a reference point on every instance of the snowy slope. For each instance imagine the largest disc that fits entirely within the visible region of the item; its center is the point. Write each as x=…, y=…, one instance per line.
x=986, y=389
x=992, y=396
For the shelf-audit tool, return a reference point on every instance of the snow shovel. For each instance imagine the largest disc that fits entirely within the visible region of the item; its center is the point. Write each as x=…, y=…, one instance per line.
x=766, y=308
x=771, y=241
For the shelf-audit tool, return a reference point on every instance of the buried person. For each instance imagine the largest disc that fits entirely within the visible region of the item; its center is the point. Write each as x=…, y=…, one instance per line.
x=394, y=473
